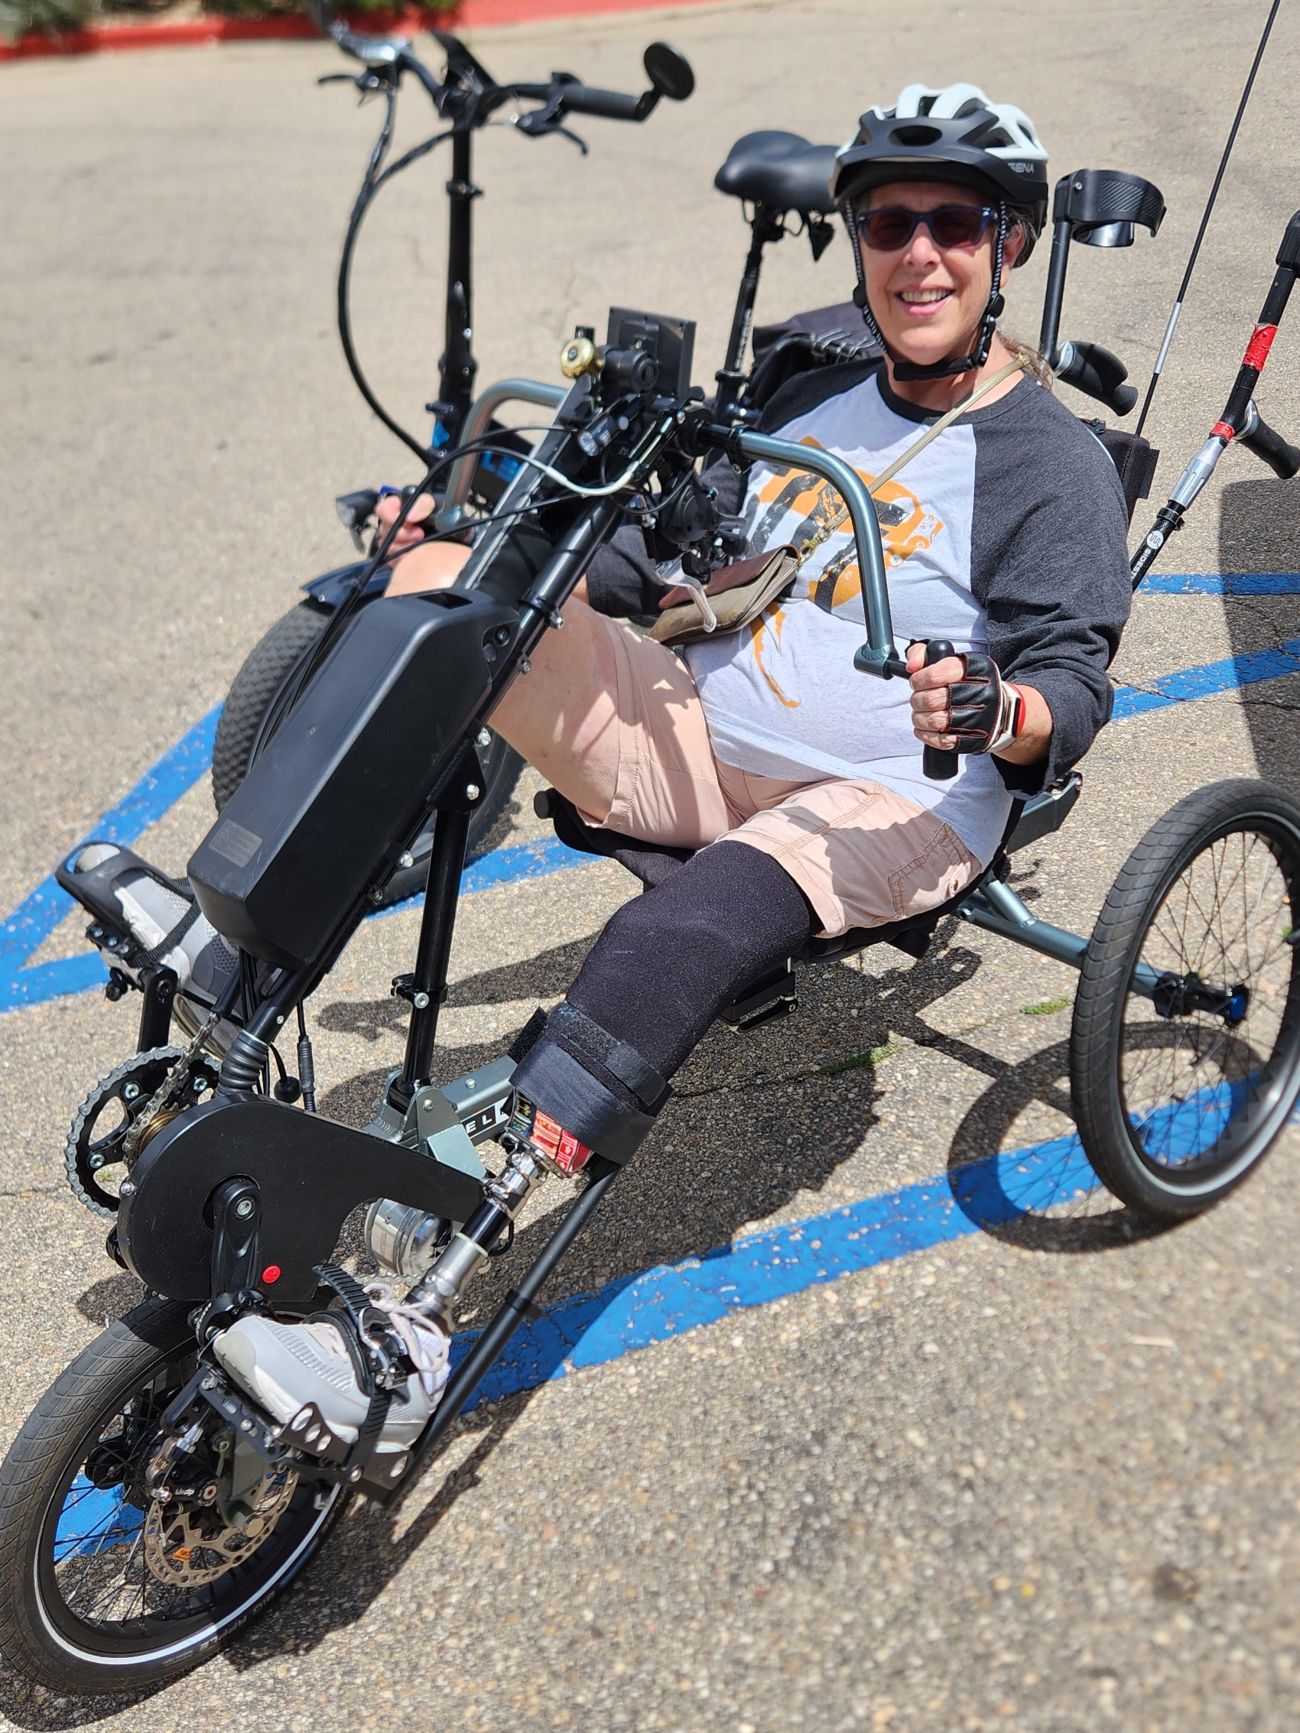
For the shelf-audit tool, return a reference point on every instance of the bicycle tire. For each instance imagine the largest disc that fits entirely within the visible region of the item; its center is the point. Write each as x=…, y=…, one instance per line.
x=1180, y=1094
x=270, y=663
x=140, y=1357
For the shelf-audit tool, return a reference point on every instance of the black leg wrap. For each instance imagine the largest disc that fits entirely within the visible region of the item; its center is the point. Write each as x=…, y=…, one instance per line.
x=655, y=979
x=669, y=960
x=563, y=1087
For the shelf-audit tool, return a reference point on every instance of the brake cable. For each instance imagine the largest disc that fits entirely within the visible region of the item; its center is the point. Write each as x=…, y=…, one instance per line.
x=370, y=185
x=1205, y=219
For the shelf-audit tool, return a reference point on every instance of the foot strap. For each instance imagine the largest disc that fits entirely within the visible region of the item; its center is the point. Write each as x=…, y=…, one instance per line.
x=169, y=941
x=376, y=1354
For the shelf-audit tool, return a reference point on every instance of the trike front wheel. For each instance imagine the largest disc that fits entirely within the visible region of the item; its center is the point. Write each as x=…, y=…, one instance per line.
x=1185, y=1046
x=102, y=1590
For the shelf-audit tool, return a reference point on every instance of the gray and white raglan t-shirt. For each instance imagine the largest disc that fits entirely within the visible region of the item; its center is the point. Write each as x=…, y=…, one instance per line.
x=1005, y=535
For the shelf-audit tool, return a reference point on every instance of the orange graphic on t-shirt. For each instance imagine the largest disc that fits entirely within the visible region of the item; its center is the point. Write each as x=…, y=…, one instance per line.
x=907, y=526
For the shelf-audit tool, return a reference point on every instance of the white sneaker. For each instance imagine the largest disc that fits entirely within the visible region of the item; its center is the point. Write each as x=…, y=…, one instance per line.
x=283, y=1367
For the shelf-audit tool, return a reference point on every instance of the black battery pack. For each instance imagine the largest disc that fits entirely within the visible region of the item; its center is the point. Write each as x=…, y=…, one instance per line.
x=344, y=781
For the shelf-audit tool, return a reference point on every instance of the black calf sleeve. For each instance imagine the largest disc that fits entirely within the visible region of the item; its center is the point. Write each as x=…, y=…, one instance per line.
x=669, y=961
x=654, y=981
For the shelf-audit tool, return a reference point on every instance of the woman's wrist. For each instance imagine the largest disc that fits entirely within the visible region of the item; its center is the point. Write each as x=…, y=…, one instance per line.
x=1034, y=737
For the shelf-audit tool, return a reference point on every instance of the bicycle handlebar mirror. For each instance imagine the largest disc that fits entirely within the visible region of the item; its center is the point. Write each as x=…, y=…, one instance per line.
x=370, y=50
x=669, y=72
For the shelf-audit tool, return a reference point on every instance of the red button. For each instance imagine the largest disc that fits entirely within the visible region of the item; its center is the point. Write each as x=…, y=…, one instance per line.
x=271, y=1274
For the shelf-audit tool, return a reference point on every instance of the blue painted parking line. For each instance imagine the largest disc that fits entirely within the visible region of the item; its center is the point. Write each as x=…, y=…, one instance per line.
x=36, y=917
x=1221, y=584
x=24, y=984
x=1209, y=680
x=669, y=1301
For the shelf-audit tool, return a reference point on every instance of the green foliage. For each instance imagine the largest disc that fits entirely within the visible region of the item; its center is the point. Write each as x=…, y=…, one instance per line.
x=52, y=16
x=1045, y=1007
x=19, y=16
x=858, y=1061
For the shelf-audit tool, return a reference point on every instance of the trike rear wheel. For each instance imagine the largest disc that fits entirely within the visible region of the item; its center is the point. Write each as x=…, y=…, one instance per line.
x=1185, y=1046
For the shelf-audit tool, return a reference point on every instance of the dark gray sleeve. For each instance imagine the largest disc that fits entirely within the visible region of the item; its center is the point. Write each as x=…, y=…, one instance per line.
x=1050, y=565
x=618, y=578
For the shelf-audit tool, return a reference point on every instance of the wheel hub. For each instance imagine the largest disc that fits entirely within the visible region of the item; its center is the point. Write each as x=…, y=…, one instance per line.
x=1182, y=995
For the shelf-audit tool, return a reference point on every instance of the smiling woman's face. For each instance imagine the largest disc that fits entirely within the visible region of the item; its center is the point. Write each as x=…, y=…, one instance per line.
x=927, y=299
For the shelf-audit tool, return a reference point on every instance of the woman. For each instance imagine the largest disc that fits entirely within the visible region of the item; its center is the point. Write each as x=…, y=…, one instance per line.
x=800, y=781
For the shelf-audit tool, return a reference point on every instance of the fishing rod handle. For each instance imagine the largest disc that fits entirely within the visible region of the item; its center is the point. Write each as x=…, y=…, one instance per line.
x=938, y=765
x=1261, y=340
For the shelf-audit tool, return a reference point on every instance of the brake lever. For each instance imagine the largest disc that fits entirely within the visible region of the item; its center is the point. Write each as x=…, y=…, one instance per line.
x=542, y=122
x=368, y=83
x=671, y=576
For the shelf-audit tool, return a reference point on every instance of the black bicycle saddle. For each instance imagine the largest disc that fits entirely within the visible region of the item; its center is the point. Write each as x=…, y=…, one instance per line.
x=779, y=170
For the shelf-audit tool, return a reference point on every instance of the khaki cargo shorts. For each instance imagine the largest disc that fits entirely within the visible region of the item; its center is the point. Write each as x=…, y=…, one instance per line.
x=861, y=854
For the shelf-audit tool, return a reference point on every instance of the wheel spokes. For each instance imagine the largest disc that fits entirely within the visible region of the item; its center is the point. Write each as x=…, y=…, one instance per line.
x=1186, y=1079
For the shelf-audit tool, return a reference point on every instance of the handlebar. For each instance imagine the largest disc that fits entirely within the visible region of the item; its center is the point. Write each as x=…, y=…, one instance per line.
x=938, y=765
x=1094, y=370
x=468, y=95
x=579, y=98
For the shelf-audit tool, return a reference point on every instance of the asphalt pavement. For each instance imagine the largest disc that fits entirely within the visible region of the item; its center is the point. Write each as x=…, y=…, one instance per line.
x=952, y=1466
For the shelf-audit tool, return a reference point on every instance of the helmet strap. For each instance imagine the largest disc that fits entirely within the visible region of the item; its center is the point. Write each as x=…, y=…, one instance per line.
x=911, y=370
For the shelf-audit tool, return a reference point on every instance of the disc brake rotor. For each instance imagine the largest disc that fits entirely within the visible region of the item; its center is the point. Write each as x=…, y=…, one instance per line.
x=95, y=1157
x=191, y=1545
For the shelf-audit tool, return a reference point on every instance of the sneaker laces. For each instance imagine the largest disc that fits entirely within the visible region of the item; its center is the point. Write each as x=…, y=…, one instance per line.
x=423, y=1337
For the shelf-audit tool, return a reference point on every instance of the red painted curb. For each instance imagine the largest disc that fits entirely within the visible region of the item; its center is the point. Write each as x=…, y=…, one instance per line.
x=463, y=15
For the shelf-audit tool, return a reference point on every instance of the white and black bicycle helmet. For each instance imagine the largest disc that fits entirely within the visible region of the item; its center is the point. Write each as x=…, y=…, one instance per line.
x=955, y=134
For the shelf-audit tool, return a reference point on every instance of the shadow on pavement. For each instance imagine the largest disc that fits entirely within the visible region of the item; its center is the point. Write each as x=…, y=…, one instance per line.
x=1259, y=532
x=1051, y=1202
x=758, y=1120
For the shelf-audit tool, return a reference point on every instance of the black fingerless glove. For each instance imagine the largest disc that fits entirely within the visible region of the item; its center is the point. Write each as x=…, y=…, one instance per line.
x=986, y=712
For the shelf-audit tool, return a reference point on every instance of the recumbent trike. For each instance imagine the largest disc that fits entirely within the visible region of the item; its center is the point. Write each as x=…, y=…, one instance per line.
x=147, y=1508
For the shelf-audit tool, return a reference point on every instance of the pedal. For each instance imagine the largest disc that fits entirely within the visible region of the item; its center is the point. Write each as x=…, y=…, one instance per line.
x=207, y=1386
x=773, y=995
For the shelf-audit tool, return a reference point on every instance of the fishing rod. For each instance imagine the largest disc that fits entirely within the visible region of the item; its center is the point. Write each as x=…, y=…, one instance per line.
x=1205, y=220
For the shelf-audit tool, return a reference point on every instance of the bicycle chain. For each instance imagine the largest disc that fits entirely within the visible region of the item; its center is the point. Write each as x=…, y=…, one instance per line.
x=163, y=1094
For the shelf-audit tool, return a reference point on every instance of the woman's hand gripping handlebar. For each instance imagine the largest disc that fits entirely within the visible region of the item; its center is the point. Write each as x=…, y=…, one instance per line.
x=960, y=703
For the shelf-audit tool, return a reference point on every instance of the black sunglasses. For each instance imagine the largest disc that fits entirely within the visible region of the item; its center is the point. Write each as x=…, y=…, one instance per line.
x=889, y=228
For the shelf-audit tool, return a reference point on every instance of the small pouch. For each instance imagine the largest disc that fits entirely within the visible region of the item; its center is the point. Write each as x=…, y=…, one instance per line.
x=738, y=593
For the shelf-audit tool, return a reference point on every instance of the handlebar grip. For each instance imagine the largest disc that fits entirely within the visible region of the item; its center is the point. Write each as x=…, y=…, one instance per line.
x=1281, y=458
x=939, y=766
x=604, y=104
x=1094, y=370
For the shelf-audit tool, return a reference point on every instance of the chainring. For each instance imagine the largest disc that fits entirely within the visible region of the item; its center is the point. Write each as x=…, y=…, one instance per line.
x=95, y=1152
